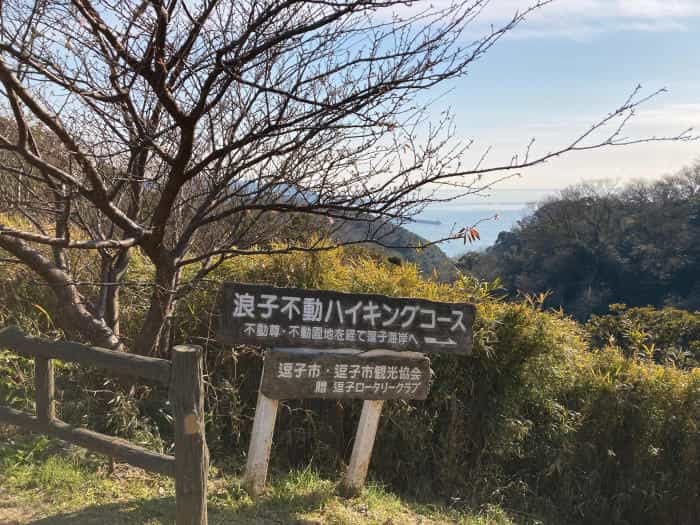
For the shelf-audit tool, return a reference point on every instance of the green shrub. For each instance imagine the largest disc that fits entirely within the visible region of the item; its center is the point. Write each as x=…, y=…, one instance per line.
x=534, y=421
x=667, y=335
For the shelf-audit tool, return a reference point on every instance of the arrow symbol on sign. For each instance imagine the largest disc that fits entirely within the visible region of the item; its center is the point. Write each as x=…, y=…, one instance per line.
x=433, y=341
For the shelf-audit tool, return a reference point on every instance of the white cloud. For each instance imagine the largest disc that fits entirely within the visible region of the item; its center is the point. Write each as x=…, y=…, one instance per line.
x=655, y=120
x=581, y=18
x=587, y=10
x=685, y=115
x=648, y=160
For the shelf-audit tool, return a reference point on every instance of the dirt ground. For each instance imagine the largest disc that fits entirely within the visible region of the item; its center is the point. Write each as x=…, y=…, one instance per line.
x=13, y=513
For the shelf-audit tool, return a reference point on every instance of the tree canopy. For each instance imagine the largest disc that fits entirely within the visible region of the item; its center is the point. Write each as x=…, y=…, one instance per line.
x=597, y=244
x=194, y=132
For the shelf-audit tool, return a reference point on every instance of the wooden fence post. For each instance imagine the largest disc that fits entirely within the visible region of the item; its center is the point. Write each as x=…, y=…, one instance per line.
x=45, y=390
x=191, y=453
x=362, y=449
x=260, y=444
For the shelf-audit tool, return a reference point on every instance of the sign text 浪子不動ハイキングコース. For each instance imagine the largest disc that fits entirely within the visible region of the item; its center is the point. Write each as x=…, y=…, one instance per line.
x=291, y=317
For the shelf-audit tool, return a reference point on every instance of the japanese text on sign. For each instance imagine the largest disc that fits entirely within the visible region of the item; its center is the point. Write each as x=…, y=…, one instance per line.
x=390, y=375
x=293, y=317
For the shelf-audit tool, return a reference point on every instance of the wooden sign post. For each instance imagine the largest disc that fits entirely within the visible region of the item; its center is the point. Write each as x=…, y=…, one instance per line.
x=260, y=444
x=362, y=448
x=338, y=346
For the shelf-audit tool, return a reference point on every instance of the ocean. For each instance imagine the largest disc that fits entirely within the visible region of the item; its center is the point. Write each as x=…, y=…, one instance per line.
x=509, y=205
x=455, y=218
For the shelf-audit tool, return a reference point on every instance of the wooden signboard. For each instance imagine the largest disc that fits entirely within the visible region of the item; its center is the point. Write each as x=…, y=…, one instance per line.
x=377, y=374
x=336, y=345
x=292, y=317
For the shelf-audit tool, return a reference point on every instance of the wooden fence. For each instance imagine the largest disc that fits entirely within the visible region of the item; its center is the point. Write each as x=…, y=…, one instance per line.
x=183, y=376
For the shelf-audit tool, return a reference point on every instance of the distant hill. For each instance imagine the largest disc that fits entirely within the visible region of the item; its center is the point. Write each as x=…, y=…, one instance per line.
x=430, y=259
x=396, y=242
x=596, y=245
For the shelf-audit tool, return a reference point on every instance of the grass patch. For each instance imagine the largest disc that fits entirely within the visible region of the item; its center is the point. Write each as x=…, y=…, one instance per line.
x=44, y=482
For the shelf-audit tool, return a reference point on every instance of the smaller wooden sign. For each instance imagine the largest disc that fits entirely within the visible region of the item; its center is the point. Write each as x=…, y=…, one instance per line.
x=377, y=374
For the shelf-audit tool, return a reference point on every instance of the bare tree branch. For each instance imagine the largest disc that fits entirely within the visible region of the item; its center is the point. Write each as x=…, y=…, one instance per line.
x=198, y=132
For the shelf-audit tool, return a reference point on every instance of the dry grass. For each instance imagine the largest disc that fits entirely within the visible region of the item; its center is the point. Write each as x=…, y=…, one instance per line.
x=43, y=482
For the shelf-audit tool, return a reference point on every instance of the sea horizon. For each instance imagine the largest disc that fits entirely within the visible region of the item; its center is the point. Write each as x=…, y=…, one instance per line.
x=490, y=215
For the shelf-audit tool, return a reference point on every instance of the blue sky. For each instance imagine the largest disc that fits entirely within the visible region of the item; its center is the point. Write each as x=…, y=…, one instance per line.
x=571, y=63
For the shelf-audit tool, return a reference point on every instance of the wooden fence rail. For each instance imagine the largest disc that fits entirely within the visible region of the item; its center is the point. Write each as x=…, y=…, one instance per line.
x=68, y=351
x=183, y=375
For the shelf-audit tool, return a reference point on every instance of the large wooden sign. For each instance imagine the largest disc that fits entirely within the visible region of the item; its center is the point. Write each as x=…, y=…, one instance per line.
x=377, y=374
x=292, y=317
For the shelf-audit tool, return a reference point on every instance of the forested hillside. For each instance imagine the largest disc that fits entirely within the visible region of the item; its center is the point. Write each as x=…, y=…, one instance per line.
x=597, y=244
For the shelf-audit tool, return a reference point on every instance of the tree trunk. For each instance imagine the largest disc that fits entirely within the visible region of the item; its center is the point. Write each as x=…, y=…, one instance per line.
x=62, y=230
x=74, y=315
x=117, y=271
x=154, y=337
x=112, y=272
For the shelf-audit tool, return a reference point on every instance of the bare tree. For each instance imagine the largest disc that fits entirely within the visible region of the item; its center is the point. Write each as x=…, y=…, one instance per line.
x=196, y=131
